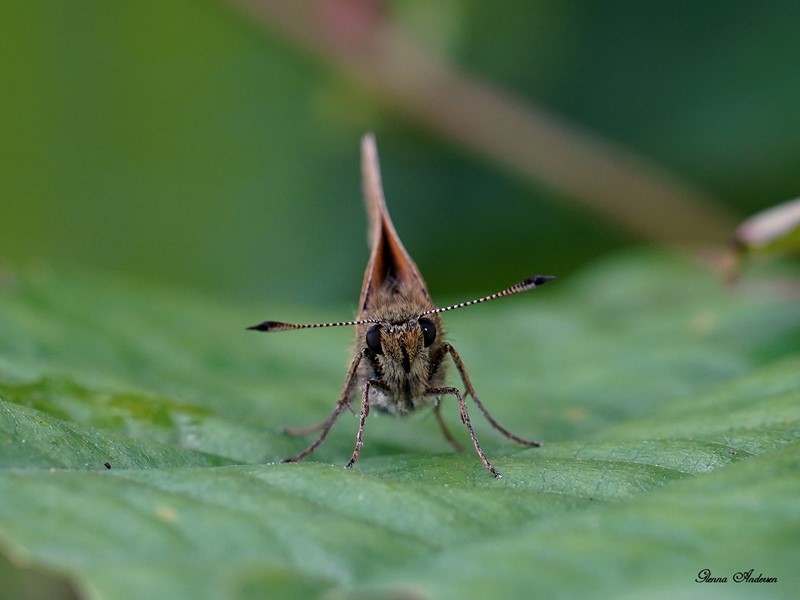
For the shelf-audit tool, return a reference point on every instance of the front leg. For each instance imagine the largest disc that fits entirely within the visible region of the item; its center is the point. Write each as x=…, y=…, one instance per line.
x=325, y=426
x=437, y=411
x=446, y=348
x=462, y=407
x=363, y=419
x=436, y=362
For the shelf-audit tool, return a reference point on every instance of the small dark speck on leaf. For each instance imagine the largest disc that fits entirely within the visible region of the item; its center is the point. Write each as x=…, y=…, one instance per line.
x=107, y=465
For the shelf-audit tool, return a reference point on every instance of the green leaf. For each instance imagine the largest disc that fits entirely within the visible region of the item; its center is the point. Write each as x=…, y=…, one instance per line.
x=667, y=404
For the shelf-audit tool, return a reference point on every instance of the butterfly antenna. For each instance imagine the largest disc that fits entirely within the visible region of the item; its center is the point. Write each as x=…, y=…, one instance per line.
x=278, y=326
x=523, y=286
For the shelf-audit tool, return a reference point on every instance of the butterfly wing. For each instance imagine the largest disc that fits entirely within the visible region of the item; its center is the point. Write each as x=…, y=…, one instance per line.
x=390, y=265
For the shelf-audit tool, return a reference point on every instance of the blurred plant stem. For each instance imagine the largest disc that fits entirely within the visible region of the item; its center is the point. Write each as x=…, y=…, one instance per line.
x=358, y=39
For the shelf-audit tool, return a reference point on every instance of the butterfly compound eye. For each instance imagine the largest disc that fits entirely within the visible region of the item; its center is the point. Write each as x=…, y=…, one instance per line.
x=428, y=331
x=374, y=339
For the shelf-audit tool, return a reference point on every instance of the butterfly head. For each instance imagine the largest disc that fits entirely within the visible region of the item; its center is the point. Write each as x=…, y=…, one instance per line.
x=402, y=343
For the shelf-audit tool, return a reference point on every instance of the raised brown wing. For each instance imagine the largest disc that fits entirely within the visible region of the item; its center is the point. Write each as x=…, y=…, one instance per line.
x=389, y=262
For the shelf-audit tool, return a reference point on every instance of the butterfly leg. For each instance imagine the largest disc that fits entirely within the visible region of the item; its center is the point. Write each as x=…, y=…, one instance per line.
x=363, y=418
x=462, y=407
x=437, y=410
x=436, y=362
x=470, y=391
x=325, y=426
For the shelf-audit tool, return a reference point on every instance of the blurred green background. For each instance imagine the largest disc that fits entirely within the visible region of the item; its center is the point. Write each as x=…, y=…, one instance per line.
x=196, y=142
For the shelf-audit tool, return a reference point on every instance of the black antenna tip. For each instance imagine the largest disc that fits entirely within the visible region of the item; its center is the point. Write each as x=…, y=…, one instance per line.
x=267, y=326
x=538, y=280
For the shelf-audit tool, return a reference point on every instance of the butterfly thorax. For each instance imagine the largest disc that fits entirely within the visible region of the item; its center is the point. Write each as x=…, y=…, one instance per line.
x=399, y=355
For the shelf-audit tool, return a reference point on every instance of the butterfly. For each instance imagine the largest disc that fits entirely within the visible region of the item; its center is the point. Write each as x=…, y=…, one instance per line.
x=401, y=350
